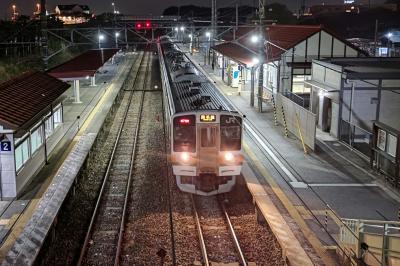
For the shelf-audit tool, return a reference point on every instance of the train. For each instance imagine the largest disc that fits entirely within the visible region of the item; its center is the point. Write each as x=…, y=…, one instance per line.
x=205, y=130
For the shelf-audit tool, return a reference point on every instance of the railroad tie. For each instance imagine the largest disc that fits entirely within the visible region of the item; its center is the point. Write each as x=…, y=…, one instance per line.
x=284, y=122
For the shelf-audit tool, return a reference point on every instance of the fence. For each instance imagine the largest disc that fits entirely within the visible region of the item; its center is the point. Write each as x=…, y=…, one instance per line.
x=307, y=119
x=376, y=242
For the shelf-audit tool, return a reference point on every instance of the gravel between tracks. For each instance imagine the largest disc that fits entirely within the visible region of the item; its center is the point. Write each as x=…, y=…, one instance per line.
x=186, y=241
x=147, y=228
x=257, y=241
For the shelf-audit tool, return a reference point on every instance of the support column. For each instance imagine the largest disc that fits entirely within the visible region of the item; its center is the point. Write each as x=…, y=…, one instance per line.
x=260, y=86
x=252, y=83
x=223, y=68
x=76, y=91
x=126, y=38
x=93, y=81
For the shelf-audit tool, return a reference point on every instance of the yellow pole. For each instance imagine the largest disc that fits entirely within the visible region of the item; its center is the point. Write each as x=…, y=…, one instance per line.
x=301, y=135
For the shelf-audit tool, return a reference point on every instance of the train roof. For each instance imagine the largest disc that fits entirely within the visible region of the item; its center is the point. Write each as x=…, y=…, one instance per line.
x=190, y=89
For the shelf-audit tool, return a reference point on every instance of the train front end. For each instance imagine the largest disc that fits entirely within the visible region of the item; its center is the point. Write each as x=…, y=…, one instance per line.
x=206, y=151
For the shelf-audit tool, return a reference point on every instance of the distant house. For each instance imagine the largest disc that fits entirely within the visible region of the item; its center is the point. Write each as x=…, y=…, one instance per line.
x=328, y=9
x=73, y=14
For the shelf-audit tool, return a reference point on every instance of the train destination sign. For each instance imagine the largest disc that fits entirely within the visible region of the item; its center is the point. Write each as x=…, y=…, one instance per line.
x=208, y=118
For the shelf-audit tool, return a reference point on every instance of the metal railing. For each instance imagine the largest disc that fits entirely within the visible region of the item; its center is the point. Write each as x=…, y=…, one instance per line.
x=302, y=101
x=375, y=242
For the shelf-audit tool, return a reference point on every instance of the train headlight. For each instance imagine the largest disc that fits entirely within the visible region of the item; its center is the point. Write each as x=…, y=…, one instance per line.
x=185, y=157
x=229, y=157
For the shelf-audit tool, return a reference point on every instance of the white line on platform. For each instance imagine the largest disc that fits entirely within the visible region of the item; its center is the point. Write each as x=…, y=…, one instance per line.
x=343, y=185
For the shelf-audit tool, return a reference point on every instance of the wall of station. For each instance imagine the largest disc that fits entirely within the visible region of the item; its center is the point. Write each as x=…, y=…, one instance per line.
x=363, y=102
x=297, y=118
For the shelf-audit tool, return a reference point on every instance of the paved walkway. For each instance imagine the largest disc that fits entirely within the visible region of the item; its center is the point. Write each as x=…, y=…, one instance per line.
x=108, y=84
x=337, y=180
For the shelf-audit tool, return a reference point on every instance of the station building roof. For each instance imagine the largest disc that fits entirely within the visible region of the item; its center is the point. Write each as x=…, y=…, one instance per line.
x=24, y=99
x=83, y=65
x=280, y=38
x=366, y=67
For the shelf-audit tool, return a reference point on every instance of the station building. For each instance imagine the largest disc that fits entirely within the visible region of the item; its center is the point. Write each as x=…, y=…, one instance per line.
x=357, y=100
x=31, y=115
x=287, y=56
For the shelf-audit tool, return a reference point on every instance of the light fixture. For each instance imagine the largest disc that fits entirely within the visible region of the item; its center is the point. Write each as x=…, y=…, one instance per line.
x=185, y=156
x=208, y=34
x=176, y=29
x=389, y=35
x=229, y=157
x=256, y=61
x=182, y=28
x=254, y=38
x=116, y=34
x=101, y=37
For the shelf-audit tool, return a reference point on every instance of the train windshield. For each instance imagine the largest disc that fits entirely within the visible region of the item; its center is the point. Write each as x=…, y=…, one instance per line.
x=208, y=137
x=185, y=133
x=231, y=133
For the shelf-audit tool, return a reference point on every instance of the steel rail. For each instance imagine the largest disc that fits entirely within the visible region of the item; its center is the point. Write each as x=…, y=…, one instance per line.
x=233, y=234
x=133, y=156
x=107, y=174
x=200, y=234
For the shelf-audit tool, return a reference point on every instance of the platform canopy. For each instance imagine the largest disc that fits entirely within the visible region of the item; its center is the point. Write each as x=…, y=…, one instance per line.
x=84, y=65
x=279, y=39
x=26, y=98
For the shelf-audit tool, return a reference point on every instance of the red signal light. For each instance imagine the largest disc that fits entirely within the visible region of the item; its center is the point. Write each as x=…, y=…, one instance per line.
x=184, y=121
x=148, y=24
x=138, y=25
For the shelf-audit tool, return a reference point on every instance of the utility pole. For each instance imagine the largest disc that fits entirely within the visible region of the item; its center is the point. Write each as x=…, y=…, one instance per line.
x=213, y=27
x=376, y=37
x=43, y=25
x=261, y=52
x=237, y=20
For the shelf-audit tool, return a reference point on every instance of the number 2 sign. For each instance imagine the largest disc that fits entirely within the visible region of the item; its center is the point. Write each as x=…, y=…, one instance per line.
x=5, y=146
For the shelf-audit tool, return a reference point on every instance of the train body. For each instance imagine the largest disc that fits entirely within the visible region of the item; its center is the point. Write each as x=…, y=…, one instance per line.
x=205, y=129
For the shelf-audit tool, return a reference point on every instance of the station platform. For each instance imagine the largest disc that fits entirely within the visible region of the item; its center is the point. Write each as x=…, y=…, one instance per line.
x=313, y=190
x=24, y=222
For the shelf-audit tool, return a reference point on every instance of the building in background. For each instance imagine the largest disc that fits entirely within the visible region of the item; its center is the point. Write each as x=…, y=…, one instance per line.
x=73, y=14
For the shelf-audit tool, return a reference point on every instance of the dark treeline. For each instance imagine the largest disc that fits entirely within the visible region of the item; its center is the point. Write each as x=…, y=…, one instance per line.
x=274, y=11
x=350, y=25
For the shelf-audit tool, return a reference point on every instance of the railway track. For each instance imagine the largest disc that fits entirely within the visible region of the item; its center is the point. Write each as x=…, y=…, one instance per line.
x=217, y=237
x=103, y=239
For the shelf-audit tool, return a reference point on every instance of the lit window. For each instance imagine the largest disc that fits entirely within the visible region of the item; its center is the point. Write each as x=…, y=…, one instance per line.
x=391, y=145
x=36, y=139
x=22, y=153
x=49, y=126
x=57, y=116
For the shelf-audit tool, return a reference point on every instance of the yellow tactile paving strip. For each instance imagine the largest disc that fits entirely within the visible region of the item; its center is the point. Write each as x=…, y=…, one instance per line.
x=278, y=225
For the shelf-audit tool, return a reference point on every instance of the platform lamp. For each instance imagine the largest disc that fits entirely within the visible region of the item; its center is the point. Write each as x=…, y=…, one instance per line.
x=389, y=36
x=191, y=43
x=101, y=38
x=116, y=39
x=208, y=34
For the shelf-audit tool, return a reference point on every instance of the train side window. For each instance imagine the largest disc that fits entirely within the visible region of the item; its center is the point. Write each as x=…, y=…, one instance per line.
x=231, y=133
x=208, y=137
x=184, y=134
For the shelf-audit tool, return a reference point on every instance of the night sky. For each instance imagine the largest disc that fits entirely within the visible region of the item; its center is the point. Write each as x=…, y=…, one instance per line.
x=140, y=7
